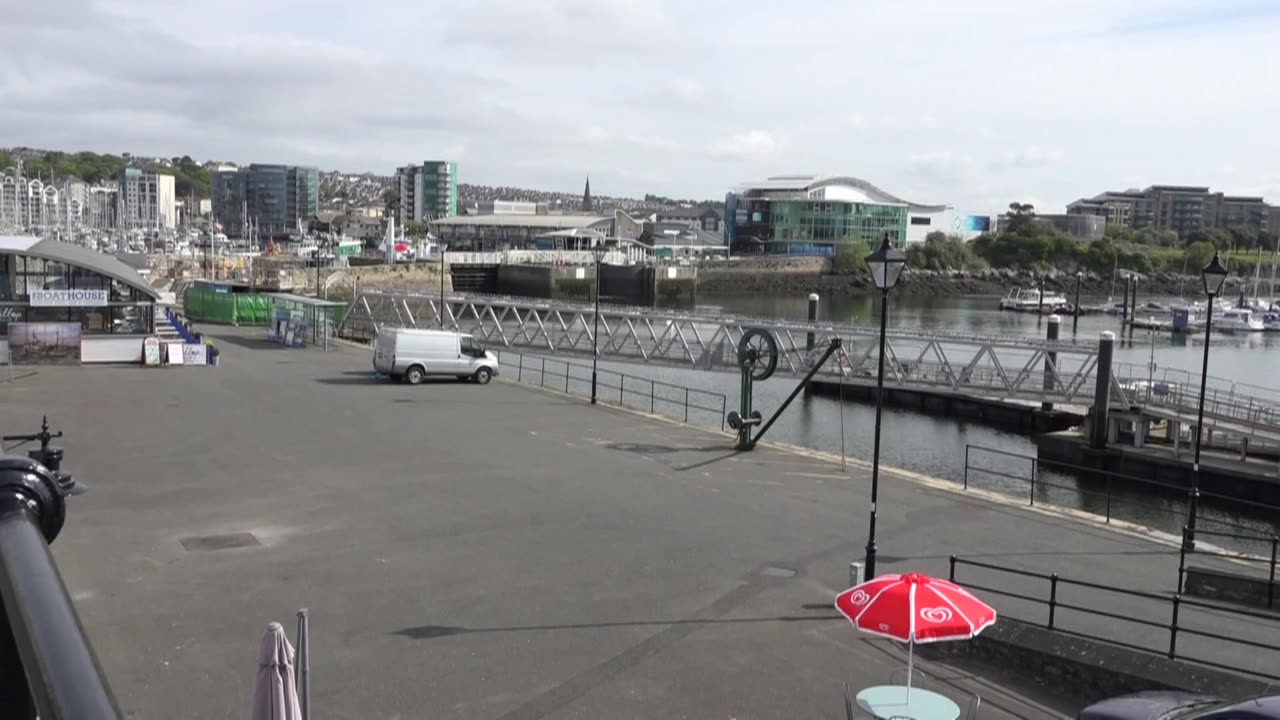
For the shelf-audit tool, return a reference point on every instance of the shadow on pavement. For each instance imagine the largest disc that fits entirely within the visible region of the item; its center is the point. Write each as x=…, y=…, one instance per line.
x=653, y=449
x=428, y=632
x=371, y=378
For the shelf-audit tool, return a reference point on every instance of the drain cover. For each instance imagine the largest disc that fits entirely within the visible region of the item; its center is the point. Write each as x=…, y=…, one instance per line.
x=220, y=542
x=778, y=572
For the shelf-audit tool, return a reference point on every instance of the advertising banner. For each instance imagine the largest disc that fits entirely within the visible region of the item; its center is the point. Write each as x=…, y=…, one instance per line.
x=44, y=342
x=68, y=298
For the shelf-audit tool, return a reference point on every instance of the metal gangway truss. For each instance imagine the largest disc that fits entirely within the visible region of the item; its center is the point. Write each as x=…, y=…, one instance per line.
x=1016, y=369
x=967, y=364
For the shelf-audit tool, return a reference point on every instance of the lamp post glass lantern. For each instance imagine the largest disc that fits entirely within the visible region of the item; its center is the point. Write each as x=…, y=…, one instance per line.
x=597, y=253
x=886, y=265
x=1214, y=276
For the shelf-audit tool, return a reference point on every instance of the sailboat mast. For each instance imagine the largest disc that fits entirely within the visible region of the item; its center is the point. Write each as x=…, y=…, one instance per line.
x=1257, y=272
x=1272, y=290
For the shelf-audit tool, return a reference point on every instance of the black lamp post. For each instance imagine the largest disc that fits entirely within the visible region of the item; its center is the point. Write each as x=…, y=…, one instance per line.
x=443, y=247
x=1075, y=308
x=886, y=267
x=1214, y=276
x=597, y=252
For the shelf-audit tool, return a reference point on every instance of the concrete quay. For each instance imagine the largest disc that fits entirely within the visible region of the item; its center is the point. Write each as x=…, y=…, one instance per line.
x=501, y=552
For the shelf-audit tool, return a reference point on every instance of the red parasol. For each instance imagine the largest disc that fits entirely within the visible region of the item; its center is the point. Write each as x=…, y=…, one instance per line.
x=914, y=608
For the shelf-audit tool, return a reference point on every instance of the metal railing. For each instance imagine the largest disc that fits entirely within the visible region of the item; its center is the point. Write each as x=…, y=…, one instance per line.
x=1190, y=548
x=1110, y=501
x=618, y=388
x=1172, y=606
x=47, y=665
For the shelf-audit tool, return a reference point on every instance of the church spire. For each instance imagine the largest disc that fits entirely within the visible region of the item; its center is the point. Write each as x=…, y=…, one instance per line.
x=586, y=196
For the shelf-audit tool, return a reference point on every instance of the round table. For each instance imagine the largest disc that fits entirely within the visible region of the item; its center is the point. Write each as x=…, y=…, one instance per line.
x=889, y=701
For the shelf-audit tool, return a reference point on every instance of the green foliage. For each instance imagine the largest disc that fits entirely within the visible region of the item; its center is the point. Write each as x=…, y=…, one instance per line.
x=940, y=252
x=189, y=176
x=6, y=161
x=850, y=257
x=1142, y=236
x=1198, y=255
x=416, y=229
x=1022, y=218
x=1016, y=250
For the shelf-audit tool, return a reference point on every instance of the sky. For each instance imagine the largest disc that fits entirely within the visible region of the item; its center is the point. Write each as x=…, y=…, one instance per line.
x=973, y=104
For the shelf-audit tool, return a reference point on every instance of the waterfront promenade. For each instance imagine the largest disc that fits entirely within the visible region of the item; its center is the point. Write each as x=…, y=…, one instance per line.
x=497, y=551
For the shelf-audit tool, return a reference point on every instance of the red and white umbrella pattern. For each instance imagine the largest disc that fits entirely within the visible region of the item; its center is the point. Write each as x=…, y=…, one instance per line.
x=915, y=608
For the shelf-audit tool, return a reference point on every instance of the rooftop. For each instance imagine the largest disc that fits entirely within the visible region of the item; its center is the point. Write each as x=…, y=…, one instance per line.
x=530, y=221
x=76, y=256
x=850, y=189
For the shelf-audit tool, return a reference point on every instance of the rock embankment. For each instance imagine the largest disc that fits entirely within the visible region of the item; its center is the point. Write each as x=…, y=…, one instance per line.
x=785, y=276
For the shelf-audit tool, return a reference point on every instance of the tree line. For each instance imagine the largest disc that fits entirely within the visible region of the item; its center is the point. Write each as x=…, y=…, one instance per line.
x=1023, y=243
x=189, y=177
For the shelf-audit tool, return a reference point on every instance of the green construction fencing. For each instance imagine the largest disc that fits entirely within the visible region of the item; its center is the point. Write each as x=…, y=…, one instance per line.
x=226, y=308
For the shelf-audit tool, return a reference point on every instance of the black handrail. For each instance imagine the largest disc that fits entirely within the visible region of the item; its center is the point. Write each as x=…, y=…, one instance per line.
x=1110, y=496
x=47, y=665
x=685, y=398
x=1175, y=603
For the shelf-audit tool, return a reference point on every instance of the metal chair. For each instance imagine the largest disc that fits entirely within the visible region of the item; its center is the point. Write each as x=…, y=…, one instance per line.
x=899, y=677
x=974, y=703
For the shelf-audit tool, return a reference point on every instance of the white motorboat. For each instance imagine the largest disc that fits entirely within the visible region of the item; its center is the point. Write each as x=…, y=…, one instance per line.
x=1240, y=320
x=1032, y=300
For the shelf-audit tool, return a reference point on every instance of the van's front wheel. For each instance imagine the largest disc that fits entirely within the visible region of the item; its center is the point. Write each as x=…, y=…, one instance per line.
x=415, y=375
x=483, y=376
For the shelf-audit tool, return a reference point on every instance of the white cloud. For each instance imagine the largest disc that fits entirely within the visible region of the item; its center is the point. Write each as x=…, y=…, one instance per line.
x=748, y=145
x=1031, y=156
x=688, y=91
x=941, y=164
x=639, y=94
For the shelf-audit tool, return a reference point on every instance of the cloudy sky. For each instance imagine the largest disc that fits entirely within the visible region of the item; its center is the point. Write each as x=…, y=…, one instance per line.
x=972, y=103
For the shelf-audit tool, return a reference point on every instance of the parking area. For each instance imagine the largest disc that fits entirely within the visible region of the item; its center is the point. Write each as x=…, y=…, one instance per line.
x=465, y=551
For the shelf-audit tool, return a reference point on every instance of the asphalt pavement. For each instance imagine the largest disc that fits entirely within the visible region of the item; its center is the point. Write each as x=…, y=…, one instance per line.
x=493, y=551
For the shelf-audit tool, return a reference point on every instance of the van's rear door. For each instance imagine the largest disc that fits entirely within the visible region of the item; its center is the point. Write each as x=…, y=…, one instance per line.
x=384, y=348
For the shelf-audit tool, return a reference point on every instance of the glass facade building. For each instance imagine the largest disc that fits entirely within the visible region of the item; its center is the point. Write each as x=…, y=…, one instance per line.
x=29, y=265
x=272, y=198
x=827, y=221
x=814, y=215
x=428, y=192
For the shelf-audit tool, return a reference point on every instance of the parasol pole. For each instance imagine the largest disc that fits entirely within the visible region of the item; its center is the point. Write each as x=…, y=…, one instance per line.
x=911, y=638
x=911, y=647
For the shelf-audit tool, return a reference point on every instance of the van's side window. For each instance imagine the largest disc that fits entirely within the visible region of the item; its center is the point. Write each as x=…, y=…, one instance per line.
x=468, y=345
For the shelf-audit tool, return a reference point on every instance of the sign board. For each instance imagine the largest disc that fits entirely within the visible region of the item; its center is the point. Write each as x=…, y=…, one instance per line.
x=194, y=354
x=175, y=353
x=580, y=273
x=10, y=313
x=68, y=298
x=671, y=273
x=151, y=351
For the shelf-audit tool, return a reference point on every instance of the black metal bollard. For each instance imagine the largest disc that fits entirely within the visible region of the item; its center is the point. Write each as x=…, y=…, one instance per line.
x=1051, y=360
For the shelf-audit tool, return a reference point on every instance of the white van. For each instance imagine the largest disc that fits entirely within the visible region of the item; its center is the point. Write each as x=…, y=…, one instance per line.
x=412, y=355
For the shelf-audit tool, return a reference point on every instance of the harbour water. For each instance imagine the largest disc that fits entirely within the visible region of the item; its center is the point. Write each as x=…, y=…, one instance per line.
x=936, y=446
